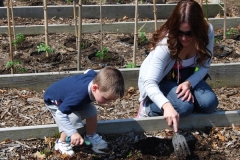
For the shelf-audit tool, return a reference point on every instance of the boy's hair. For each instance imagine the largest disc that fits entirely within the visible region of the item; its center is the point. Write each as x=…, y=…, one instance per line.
x=110, y=80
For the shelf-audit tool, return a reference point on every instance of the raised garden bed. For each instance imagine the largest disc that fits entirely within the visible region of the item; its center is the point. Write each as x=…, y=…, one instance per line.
x=129, y=138
x=111, y=12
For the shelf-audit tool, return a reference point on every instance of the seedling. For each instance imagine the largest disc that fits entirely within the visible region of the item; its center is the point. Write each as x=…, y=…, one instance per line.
x=84, y=45
x=45, y=48
x=101, y=54
x=143, y=37
x=216, y=40
x=69, y=1
x=19, y=39
x=231, y=31
x=16, y=65
x=131, y=65
x=129, y=154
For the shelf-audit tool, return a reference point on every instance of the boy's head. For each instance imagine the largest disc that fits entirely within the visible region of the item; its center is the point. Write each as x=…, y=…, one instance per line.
x=108, y=85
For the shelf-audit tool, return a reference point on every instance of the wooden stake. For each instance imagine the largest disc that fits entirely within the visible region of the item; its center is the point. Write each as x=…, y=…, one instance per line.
x=155, y=16
x=46, y=23
x=79, y=33
x=13, y=24
x=9, y=34
x=75, y=19
x=101, y=25
x=136, y=32
x=225, y=19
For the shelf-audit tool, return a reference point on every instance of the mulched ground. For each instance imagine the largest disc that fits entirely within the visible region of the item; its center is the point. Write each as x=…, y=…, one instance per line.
x=26, y=108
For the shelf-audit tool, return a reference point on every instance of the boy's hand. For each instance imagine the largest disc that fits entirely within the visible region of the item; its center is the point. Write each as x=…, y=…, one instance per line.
x=76, y=139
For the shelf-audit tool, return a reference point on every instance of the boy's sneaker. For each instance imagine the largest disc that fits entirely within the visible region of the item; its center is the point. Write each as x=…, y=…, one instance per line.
x=96, y=141
x=143, y=111
x=64, y=148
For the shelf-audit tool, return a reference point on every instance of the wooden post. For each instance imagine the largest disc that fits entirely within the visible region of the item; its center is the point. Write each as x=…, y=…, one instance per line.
x=225, y=19
x=46, y=23
x=79, y=34
x=75, y=19
x=136, y=32
x=9, y=34
x=13, y=24
x=155, y=16
x=101, y=25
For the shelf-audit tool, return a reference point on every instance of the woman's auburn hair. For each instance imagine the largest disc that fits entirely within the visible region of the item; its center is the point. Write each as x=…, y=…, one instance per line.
x=186, y=11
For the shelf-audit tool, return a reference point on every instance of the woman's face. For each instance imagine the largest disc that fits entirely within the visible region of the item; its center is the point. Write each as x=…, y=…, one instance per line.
x=185, y=34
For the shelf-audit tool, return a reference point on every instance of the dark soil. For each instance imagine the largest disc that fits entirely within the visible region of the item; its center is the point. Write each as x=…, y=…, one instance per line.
x=26, y=108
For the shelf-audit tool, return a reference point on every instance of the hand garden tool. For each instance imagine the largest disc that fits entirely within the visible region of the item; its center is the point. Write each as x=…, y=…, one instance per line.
x=87, y=143
x=180, y=145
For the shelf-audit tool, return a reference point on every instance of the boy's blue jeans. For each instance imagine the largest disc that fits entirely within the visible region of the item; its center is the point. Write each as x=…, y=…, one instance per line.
x=205, y=100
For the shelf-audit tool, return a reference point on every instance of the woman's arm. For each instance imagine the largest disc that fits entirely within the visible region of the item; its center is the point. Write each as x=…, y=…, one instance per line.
x=154, y=69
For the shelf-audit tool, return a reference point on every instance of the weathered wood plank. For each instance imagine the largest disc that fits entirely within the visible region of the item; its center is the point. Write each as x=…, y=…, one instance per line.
x=110, y=11
x=40, y=81
x=221, y=75
x=224, y=75
x=217, y=119
x=117, y=27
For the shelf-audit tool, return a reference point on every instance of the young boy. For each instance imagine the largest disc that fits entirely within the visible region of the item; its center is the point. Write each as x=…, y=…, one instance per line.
x=69, y=101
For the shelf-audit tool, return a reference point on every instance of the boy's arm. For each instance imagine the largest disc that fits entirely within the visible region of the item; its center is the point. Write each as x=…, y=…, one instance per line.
x=63, y=122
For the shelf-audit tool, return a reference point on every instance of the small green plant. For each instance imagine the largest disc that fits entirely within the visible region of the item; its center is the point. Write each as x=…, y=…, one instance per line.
x=16, y=65
x=129, y=154
x=140, y=1
x=101, y=54
x=45, y=48
x=118, y=1
x=231, y=31
x=131, y=65
x=216, y=40
x=46, y=151
x=69, y=1
x=143, y=37
x=56, y=135
x=19, y=39
x=83, y=45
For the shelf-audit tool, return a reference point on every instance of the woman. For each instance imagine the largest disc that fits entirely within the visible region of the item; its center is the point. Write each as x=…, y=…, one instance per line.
x=171, y=78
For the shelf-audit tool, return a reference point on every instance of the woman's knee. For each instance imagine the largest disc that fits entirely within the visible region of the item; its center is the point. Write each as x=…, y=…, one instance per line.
x=184, y=109
x=210, y=106
x=207, y=100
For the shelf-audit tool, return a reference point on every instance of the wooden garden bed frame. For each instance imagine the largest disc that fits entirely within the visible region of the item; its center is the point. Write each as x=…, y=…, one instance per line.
x=117, y=27
x=110, y=11
x=217, y=119
x=221, y=74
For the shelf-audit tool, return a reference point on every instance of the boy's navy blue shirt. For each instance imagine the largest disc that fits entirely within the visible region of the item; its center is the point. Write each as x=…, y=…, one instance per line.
x=72, y=92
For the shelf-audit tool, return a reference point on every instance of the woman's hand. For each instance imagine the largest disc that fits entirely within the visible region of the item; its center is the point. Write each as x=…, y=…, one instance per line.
x=76, y=139
x=184, y=92
x=171, y=116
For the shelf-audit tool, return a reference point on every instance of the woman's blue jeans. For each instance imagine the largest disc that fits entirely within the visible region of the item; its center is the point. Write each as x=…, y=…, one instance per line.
x=205, y=100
